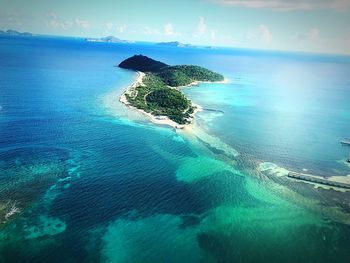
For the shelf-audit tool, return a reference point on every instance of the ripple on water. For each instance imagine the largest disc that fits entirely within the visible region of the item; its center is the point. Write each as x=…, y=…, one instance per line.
x=246, y=233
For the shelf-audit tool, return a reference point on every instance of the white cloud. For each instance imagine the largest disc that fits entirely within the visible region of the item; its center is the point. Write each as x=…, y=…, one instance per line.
x=109, y=25
x=213, y=33
x=289, y=5
x=265, y=33
x=14, y=19
x=313, y=34
x=201, y=27
x=121, y=28
x=54, y=21
x=52, y=15
x=169, y=29
x=82, y=23
x=262, y=34
x=151, y=31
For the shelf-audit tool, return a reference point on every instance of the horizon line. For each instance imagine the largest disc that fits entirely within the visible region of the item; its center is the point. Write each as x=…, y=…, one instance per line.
x=193, y=45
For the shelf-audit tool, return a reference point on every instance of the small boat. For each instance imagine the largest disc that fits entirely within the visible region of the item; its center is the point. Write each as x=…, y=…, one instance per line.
x=345, y=142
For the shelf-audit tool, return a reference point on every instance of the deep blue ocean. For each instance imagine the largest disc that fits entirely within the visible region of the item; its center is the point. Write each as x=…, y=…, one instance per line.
x=85, y=179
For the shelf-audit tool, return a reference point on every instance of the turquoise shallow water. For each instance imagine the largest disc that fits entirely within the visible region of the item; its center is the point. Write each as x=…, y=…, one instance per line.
x=290, y=111
x=85, y=179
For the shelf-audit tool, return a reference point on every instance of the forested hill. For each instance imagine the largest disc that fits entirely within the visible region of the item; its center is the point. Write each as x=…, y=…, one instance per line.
x=171, y=75
x=142, y=63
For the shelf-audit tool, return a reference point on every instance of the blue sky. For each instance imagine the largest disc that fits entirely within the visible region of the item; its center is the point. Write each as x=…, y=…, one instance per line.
x=309, y=25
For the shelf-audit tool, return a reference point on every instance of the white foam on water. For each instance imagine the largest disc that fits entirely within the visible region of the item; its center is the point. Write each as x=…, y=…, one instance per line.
x=12, y=211
x=344, y=162
x=272, y=169
x=7, y=210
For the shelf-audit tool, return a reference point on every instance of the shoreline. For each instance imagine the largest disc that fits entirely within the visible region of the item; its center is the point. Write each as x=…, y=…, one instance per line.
x=197, y=82
x=164, y=120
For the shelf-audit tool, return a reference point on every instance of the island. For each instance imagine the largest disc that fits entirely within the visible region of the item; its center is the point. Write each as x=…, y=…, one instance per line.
x=108, y=39
x=182, y=45
x=156, y=92
x=175, y=44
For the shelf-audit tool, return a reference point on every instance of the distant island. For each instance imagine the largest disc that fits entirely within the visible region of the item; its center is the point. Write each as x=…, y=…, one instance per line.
x=179, y=44
x=175, y=44
x=156, y=93
x=109, y=39
x=12, y=32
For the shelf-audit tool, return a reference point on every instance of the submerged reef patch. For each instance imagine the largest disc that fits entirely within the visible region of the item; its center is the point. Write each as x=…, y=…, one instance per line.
x=46, y=226
x=25, y=175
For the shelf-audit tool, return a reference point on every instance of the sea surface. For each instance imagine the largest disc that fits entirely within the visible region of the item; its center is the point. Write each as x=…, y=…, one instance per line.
x=85, y=179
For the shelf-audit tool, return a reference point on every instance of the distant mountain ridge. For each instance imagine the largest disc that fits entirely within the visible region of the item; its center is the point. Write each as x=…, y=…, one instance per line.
x=107, y=39
x=11, y=32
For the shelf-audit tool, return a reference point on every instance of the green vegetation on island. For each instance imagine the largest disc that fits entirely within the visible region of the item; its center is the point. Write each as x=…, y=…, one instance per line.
x=186, y=74
x=157, y=94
